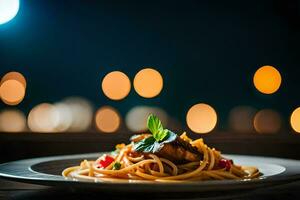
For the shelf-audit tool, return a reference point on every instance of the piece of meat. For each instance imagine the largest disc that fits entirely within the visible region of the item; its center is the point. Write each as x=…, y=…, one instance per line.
x=178, y=151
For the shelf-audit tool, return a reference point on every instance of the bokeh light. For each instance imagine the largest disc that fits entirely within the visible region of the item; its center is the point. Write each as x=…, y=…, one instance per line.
x=136, y=118
x=12, y=120
x=12, y=92
x=14, y=76
x=81, y=111
x=148, y=83
x=295, y=120
x=267, y=121
x=116, y=85
x=73, y=114
x=201, y=118
x=107, y=119
x=43, y=118
x=64, y=117
x=267, y=79
x=241, y=119
x=8, y=10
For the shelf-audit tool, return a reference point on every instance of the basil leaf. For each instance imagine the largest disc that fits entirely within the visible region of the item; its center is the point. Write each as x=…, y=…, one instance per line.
x=116, y=166
x=156, y=128
x=160, y=135
x=154, y=124
x=155, y=147
x=145, y=144
x=170, y=137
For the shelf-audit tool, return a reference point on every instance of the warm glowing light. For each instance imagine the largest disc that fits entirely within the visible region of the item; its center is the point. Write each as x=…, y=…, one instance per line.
x=241, y=119
x=201, y=118
x=8, y=10
x=295, y=120
x=73, y=114
x=267, y=121
x=64, y=117
x=267, y=79
x=148, y=83
x=43, y=118
x=12, y=92
x=107, y=119
x=116, y=85
x=14, y=76
x=136, y=118
x=81, y=112
x=12, y=121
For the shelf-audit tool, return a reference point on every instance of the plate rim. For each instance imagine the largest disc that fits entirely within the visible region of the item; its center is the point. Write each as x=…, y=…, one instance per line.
x=52, y=180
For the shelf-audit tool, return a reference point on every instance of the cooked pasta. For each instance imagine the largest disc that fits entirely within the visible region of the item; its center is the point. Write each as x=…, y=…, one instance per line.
x=190, y=160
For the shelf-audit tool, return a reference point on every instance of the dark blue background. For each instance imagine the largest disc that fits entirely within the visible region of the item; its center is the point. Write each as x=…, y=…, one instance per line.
x=207, y=51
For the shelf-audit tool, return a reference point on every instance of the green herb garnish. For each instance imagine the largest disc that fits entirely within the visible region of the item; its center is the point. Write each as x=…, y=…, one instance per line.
x=160, y=136
x=155, y=127
x=116, y=166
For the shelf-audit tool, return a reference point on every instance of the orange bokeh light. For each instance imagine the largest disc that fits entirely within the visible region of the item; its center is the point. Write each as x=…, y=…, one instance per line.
x=107, y=119
x=267, y=79
x=12, y=121
x=116, y=85
x=14, y=76
x=295, y=120
x=148, y=83
x=12, y=92
x=201, y=118
x=267, y=121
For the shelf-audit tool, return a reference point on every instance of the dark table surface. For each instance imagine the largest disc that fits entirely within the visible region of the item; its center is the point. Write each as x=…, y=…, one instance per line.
x=15, y=190
x=16, y=146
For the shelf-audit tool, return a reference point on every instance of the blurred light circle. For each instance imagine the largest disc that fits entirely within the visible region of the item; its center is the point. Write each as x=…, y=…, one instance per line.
x=148, y=83
x=43, y=118
x=81, y=112
x=136, y=118
x=267, y=121
x=116, y=85
x=8, y=10
x=295, y=120
x=107, y=119
x=267, y=79
x=14, y=76
x=64, y=117
x=241, y=119
x=12, y=121
x=201, y=118
x=12, y=92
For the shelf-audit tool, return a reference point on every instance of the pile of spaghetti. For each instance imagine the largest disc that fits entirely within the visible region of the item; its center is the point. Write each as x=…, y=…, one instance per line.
x=161, y=156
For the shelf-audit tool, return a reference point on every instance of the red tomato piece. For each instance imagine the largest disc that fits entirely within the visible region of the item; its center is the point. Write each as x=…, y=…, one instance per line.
x=225, y=163
x=105, y=161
